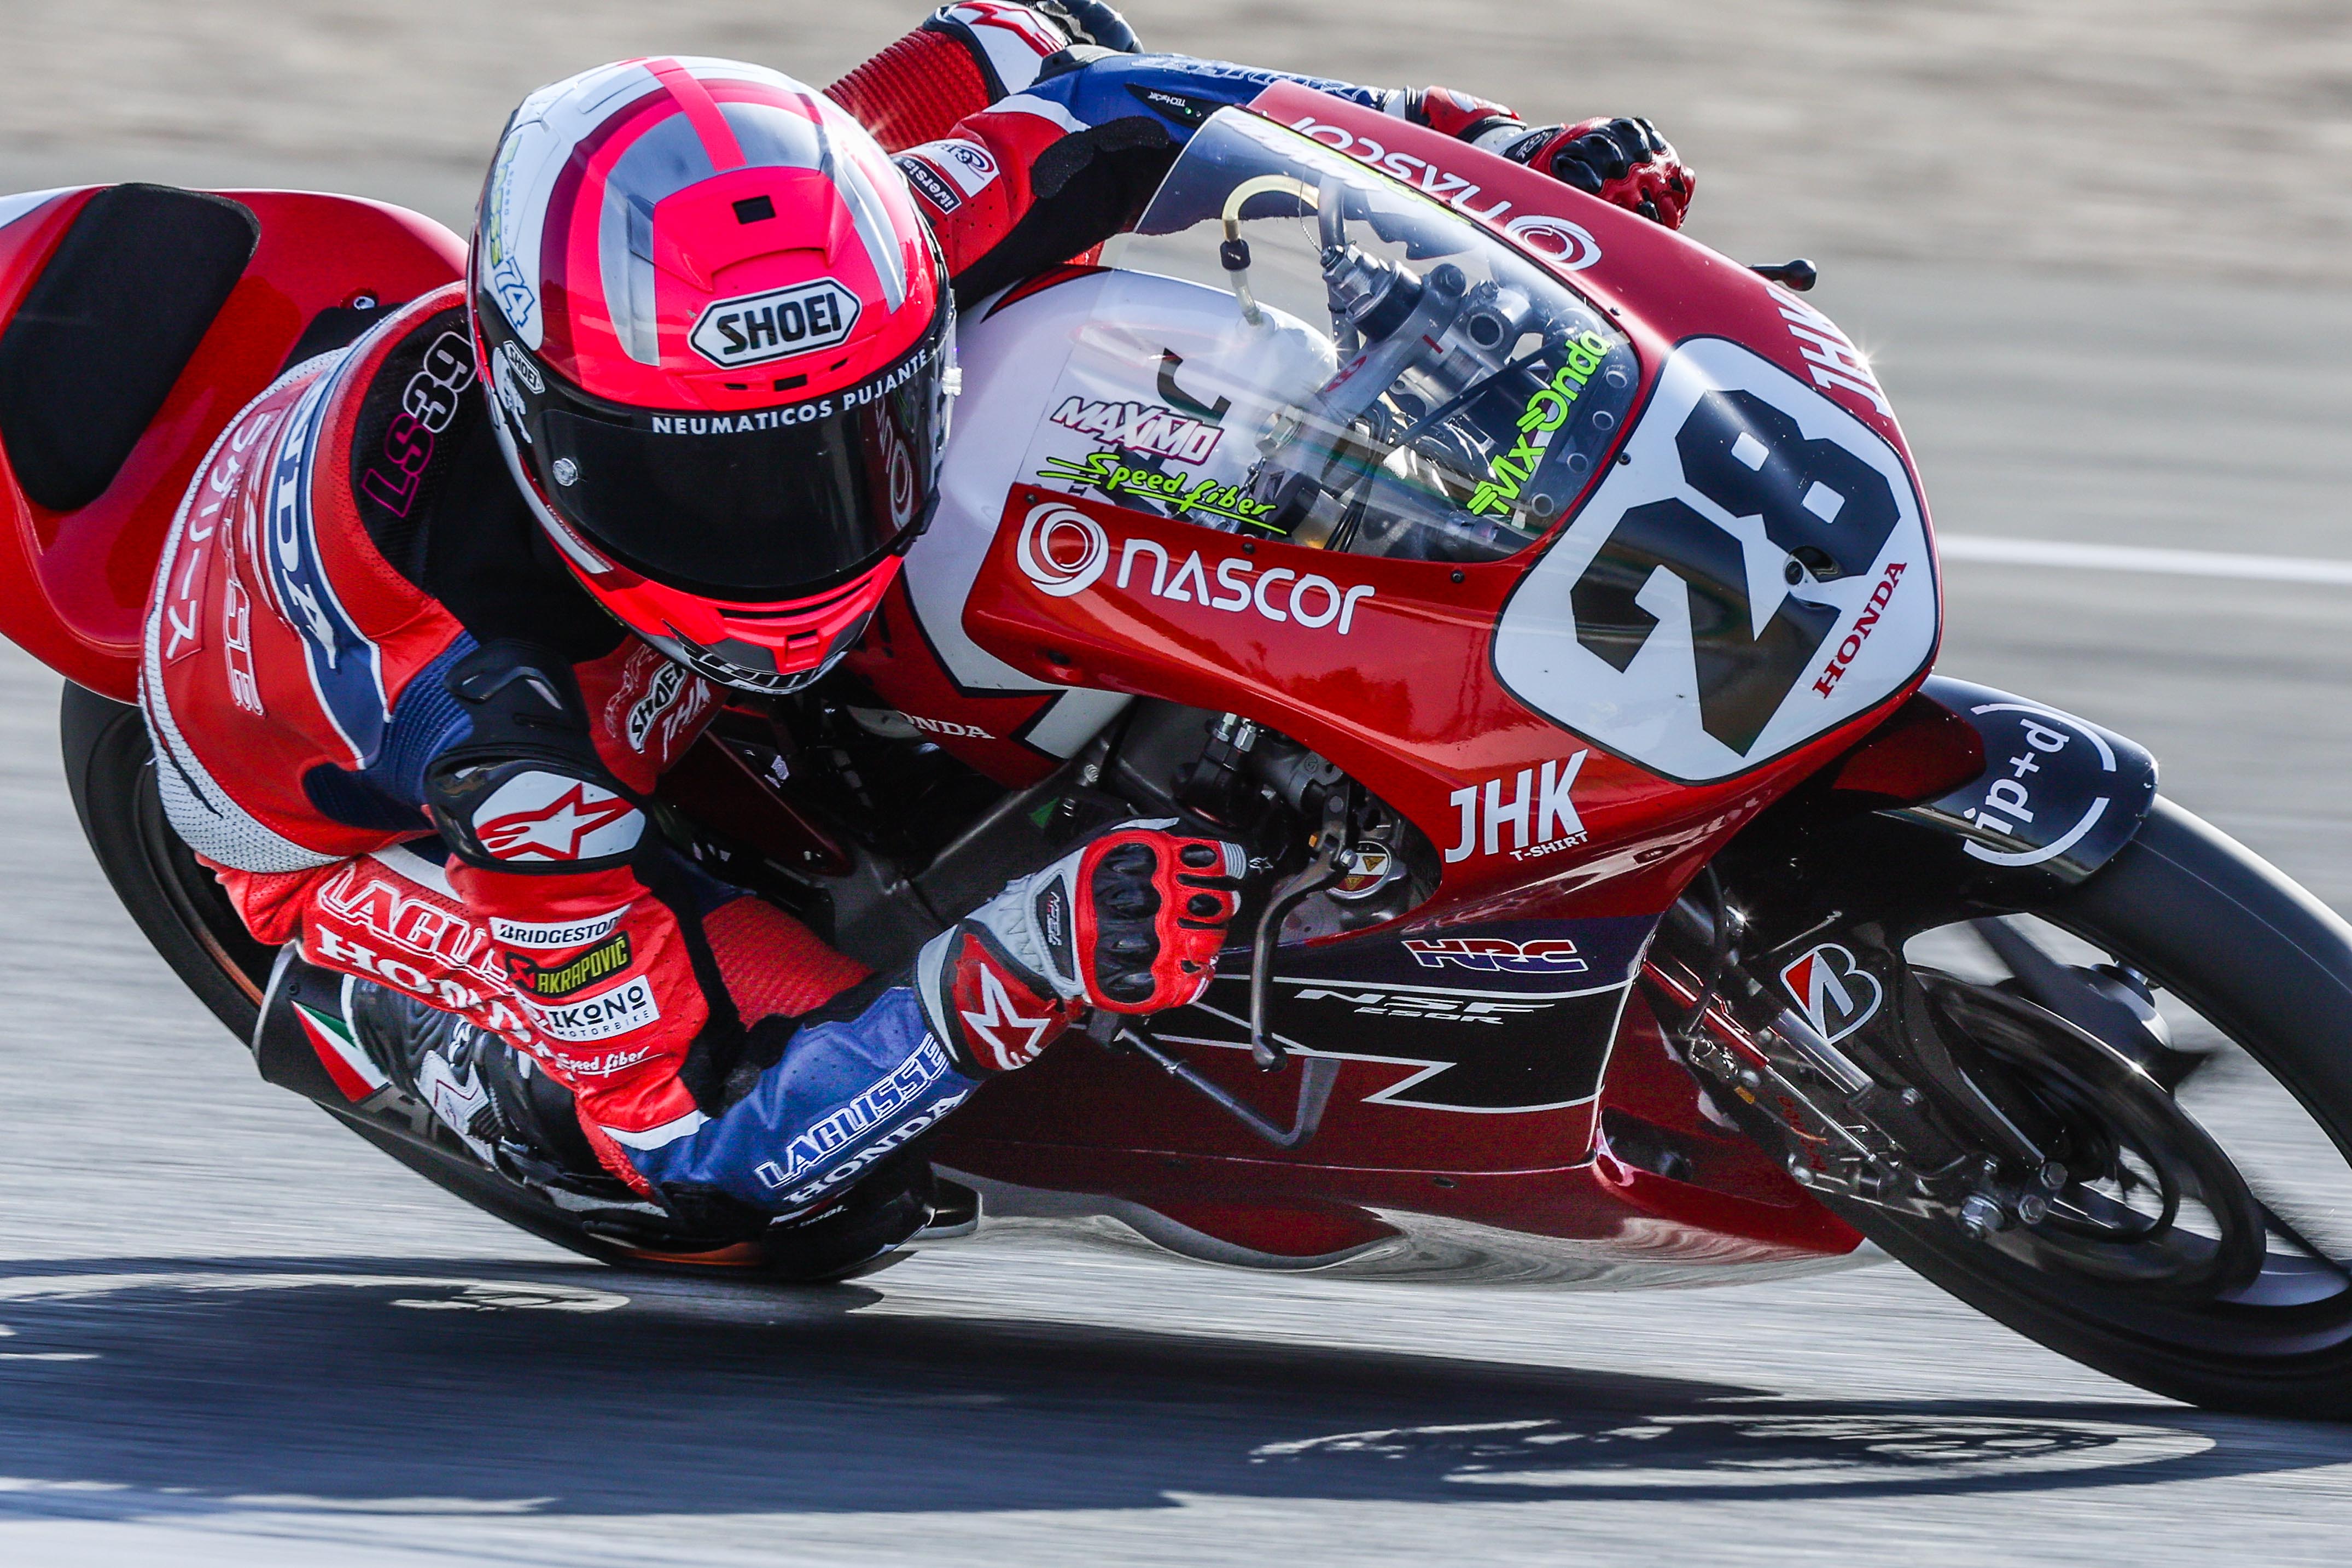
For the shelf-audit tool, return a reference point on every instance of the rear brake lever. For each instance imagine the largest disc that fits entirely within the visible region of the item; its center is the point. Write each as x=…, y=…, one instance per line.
x=1306, y=1117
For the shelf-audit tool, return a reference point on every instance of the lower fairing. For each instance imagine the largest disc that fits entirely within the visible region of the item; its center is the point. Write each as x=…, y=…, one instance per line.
x=1643, y=1252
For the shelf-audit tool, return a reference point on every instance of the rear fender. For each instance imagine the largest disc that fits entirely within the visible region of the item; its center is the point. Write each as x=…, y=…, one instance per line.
x=75, y=573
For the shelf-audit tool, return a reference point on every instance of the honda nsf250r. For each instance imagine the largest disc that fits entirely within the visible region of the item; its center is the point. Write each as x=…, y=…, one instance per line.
x=1548, y=603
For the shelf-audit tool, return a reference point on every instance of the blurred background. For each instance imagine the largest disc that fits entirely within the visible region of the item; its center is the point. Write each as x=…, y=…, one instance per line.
x=2098, y=250
x=2177, y=138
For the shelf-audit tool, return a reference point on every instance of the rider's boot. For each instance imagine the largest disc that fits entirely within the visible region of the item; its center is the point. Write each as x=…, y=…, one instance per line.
x=354, y=1043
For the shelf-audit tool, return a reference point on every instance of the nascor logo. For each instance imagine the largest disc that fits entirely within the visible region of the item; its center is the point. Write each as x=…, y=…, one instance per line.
x=1456, y=192
x=1064, y=552
x=756, y=328
x=1567, y=246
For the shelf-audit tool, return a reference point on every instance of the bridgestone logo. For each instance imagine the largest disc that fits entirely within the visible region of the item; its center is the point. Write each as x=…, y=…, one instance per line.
x=600, y=1017
x=778, y=324
x=556, y=935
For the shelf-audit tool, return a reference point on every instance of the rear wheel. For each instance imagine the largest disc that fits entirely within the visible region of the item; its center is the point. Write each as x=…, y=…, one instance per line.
x=2196, y=1240
x=184, y=914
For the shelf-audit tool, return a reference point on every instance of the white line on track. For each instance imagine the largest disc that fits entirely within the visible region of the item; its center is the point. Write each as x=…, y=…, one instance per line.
x=2134, y=558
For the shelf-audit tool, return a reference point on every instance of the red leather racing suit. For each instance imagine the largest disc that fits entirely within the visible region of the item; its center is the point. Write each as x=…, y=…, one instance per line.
x=355, y=615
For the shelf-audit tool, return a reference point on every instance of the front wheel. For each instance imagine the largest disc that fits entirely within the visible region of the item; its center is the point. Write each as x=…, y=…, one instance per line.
x=2197, y=1238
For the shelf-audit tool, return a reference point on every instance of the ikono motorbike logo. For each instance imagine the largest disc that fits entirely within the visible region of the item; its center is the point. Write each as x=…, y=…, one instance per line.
x=753, y=329
x=1062, y=550
x=1753, y=572
x=1832, y=988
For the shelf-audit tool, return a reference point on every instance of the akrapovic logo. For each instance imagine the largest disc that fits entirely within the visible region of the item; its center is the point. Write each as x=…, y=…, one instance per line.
x=552, y=982
x=756, y=328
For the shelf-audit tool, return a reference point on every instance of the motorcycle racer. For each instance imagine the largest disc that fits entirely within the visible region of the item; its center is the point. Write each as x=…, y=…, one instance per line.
x=712, y=324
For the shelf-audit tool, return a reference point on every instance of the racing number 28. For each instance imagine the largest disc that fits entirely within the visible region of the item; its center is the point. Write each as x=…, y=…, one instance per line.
x=1825, y=506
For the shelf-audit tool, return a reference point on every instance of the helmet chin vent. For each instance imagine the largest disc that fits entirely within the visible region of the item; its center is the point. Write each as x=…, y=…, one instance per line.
x=713, y=666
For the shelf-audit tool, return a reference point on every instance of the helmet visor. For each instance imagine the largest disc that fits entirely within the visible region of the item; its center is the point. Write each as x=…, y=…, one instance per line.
x=759, y=506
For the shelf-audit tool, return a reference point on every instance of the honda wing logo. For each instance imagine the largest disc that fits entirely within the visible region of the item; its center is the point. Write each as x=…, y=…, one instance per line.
x=1835, y=992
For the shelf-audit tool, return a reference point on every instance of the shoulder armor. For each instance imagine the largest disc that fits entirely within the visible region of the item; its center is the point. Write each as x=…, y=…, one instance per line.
x=525, y=790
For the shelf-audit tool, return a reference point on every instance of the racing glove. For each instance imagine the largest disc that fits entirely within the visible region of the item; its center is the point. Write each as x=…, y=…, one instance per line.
x=1091, y=22
x=1623, y=162
x=1130, y=923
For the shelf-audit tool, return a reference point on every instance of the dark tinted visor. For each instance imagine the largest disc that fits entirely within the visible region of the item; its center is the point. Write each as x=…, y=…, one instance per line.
x=770, y=505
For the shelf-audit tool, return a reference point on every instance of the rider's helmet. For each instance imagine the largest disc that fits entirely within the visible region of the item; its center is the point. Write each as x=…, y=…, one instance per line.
x=719, y=344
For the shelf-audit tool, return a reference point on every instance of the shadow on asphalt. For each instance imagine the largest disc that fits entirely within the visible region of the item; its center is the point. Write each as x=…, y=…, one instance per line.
x=136, y=1387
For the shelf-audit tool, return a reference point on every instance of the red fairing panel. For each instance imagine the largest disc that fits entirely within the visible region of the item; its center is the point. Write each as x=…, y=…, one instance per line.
x=73, y=587
x=1382, y=666
x=1549, y=820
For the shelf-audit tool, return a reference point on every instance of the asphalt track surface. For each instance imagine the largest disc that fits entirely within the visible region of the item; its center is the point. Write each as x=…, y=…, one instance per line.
x=235, y=1335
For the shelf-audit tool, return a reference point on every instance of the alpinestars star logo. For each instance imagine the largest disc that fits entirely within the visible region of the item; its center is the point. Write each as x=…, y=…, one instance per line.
x=1832, y=988
x=997, y=1013
x=545, y=817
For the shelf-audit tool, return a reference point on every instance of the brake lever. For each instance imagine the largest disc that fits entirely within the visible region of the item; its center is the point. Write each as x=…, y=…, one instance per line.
x=1329, y=867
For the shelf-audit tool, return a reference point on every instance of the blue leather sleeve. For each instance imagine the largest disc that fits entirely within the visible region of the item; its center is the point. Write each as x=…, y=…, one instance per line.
x=843, y=1095
x=388, y=794
x=1177, y=90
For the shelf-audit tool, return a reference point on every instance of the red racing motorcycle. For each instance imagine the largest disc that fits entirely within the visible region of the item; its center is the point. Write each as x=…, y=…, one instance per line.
x=1550, y=604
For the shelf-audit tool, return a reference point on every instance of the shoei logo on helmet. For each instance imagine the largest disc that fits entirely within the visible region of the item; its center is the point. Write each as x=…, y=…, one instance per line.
x=756, y=327
x=1062, y=550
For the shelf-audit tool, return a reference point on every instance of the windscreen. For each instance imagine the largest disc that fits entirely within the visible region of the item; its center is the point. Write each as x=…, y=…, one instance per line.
x=1299, y=347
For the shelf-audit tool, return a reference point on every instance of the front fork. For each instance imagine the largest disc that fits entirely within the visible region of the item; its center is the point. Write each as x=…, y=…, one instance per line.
x=1883, y=1114
x=1784, y=962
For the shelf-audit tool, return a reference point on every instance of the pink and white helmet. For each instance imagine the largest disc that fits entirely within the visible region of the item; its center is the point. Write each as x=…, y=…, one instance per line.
x=719, y=343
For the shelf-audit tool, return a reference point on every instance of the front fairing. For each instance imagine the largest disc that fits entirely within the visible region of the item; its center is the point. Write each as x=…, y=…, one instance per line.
x=1576, y=697
x=1575, y=639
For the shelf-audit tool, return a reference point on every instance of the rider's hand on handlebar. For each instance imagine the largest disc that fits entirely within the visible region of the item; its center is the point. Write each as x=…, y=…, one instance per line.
x=1152, y=912
x=1129, y=923
x=1621, y=161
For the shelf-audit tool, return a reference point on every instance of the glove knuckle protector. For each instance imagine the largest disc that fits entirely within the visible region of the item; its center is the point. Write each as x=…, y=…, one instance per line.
x=1129, y=923
x=1622, y=161
x=1147, y=936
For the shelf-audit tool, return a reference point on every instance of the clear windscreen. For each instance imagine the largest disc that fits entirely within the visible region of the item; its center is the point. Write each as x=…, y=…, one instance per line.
x=1296, y=346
